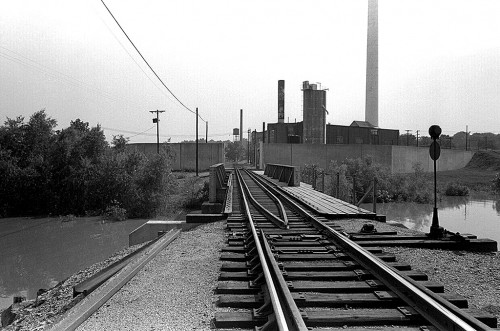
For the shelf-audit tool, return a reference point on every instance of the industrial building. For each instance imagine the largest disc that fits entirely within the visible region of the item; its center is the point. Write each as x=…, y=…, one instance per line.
x=314, y=130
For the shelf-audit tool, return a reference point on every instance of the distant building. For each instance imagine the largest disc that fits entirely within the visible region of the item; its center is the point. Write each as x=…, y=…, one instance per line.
x=314, y=130
x=359, y=132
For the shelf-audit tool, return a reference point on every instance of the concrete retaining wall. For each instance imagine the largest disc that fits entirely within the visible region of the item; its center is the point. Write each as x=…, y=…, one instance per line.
x=400, y=159
x=185, y=154
x=404, y=157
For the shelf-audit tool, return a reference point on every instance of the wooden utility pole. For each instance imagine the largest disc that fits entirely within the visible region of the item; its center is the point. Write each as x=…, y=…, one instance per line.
x=157, y=121
x=417, y=137
x=196, y=141
x=248, y=145
x=466, y=135
x=206, y=132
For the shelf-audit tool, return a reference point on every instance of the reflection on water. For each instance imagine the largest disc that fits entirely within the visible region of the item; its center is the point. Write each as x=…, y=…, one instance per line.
x=457, y=214
x=39, y=253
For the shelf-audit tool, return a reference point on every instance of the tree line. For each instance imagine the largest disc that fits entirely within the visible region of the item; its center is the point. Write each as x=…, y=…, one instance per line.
x=475, y=141
x=74, y=170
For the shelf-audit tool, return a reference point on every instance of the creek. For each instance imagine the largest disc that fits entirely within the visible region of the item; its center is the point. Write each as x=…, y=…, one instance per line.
x=476, y=215
x=40, y=252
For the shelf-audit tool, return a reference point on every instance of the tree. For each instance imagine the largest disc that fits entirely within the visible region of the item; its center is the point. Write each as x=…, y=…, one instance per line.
x=119, y=143
x=234, y=151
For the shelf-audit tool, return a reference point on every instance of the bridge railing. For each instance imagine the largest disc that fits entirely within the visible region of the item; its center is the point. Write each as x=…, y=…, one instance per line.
x=217, y=183
x=283, y=173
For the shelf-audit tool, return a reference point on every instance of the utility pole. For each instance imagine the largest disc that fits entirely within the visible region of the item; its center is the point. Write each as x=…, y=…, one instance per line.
x=417, y=137
x=157, y=121
x=248, y=145
x=264, y=132
x=254, y=141
x=206, y=132
x=196, y=141
x=407, y=137
x=466, y=134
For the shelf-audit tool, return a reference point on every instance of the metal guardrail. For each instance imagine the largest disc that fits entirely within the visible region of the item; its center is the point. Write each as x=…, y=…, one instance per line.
x=283, y=322
x=283, y=173
x=86, y=307
x=228, y=205
x=282, y=223
x=281, y=209
x=90, y=284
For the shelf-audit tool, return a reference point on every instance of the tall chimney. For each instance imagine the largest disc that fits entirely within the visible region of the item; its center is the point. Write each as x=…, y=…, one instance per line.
x=241, y=125
x=281, y=101
x=371, y=106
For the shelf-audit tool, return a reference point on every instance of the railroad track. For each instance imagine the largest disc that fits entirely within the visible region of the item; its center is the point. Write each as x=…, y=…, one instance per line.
x=284, y=269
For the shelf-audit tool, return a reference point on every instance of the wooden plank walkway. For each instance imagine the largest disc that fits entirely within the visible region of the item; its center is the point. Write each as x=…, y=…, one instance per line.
x=324, y=204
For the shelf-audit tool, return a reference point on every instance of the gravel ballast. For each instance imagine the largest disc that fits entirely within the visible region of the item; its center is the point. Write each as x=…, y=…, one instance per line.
x=173, y=292
x=475, y=276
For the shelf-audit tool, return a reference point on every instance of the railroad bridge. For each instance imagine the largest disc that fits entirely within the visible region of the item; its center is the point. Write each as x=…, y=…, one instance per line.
x=288, y=264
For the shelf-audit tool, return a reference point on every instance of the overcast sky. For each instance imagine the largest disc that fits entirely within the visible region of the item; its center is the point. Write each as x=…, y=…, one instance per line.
x=439, y=62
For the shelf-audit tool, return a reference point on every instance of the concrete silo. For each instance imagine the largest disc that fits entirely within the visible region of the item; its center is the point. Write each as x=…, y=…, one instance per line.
x=314, y=108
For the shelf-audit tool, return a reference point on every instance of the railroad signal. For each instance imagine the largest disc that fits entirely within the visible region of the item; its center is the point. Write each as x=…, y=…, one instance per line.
x=435, y=150
x=436, y=231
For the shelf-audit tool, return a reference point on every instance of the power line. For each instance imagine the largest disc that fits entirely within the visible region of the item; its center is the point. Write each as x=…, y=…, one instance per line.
x=140, y=133
x=143, y=133
x=55, y=74
x=135, y=61
x=147, y=63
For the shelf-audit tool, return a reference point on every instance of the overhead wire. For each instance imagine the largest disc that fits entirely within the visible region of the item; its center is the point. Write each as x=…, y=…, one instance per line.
x=140, y=133
x=53, y=73
x=135, y=61
x=143, y=133
x=147, y=63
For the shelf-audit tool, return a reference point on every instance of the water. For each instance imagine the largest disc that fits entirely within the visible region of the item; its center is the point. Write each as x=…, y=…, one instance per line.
x=457, y=214
x=39, y=253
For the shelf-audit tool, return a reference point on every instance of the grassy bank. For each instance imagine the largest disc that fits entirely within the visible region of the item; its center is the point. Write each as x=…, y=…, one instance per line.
x=477, y=180
x=477, y=177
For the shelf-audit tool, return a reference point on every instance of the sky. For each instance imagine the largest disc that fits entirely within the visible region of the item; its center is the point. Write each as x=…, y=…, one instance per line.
x=439, y=63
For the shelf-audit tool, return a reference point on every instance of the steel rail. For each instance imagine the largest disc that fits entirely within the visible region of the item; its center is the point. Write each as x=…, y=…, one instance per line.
x=90, y=284
x=85, y=308
x=273, y=218
x=438, y=311
x=273, y=197
x=278, y=312
x=294, y=315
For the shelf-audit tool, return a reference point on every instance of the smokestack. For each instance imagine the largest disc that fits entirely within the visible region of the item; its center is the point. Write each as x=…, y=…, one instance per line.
x=281, y=101
x=241, y=125
x=371, y=106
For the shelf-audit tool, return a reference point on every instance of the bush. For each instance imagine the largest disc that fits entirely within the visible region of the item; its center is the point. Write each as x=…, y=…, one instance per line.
x=75, y=171
x=363, y=172
x=496, y=183
x=390, y=187
x=115, y=213
x=310, y=173
x=456, y=190
x=196, y=195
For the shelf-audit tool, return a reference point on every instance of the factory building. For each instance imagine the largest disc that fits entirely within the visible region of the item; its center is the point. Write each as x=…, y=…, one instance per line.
x=292, y=133
x=314, y=130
